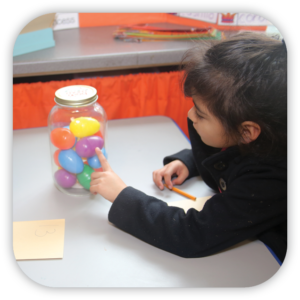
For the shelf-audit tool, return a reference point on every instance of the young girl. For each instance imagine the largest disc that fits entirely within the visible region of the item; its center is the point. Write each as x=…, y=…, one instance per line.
x=238, y=133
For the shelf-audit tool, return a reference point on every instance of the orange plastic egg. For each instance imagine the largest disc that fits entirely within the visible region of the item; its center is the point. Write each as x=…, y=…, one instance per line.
x=99, y=133
x=55, y=156
x=62, y=138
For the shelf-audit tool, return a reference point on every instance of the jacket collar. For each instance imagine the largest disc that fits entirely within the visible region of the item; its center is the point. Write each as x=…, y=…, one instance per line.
x=223, y=157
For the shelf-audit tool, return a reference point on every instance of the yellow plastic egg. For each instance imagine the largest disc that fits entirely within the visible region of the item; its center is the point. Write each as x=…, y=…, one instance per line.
x=84, y=126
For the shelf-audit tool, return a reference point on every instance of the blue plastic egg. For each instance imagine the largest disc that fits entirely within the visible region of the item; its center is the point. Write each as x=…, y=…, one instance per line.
x=94, y=162
x=104, y=152
x=70, y=161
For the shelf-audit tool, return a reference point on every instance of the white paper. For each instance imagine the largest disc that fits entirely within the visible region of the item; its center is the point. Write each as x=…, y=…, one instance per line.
x=66, y=21
x=206, y=17
x=197, y=204
x=235, y=19
x=247, y=19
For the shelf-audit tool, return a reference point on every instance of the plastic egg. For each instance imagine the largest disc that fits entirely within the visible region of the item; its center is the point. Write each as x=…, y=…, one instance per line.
x=84, y=177
x=86, y=146
x=99, y=133
x=64, y=178
x=96, y=170
x=104, y=152
x=84, y=126
x=70, y=161
x=68, y=127
x=62, y=138
x=55, y=157
x=94, y=162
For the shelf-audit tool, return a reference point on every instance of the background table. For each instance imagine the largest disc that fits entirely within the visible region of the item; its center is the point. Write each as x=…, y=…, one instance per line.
x=94, y=49
x=96, y=253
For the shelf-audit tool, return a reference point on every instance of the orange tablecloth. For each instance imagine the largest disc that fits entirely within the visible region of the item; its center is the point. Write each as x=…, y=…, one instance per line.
x=124, y=96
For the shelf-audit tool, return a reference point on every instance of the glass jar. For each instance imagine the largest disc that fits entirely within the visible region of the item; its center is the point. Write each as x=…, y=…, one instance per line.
x=77, y=125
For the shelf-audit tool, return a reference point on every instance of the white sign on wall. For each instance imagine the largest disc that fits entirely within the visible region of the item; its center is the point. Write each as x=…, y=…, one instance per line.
x=206, y=17
x=66, y=21
x=228, y=19
x=252, y=20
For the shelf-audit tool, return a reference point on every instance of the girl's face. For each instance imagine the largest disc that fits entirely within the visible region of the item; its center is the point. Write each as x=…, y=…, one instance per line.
x=209, y=128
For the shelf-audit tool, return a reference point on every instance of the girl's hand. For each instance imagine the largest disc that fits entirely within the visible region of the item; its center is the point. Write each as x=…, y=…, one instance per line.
x=175, y=167
x=107, y=183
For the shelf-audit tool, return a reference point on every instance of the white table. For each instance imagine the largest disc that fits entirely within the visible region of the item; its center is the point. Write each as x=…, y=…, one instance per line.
x=96, y=253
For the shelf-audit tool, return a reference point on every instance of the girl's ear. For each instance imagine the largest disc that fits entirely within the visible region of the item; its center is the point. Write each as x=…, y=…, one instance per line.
x=250, y=131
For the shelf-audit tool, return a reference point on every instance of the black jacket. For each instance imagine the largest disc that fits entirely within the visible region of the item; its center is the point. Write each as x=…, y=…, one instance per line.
x=253, y=203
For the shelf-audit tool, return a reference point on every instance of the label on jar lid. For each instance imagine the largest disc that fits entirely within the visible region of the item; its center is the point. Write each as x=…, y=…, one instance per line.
x=76, y=95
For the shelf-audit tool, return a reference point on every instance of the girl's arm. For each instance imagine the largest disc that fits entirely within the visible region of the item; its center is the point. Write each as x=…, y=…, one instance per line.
x=225, y=220
x=194, y=157
x=254, y=202
x=187, y=158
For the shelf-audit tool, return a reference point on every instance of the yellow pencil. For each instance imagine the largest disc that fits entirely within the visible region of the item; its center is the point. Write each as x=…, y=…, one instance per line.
x=181, y=193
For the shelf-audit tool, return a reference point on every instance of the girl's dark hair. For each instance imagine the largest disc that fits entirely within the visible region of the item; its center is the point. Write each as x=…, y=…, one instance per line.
x=243, y=78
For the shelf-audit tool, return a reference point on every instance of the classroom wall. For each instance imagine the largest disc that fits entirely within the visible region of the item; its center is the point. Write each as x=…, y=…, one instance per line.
x=110, y=19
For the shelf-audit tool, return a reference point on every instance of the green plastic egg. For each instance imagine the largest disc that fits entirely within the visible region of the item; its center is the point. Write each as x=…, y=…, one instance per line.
x=84, y=177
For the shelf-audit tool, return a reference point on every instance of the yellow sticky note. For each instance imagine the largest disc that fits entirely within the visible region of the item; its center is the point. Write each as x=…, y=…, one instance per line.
x=187, y=204
x=39, y=239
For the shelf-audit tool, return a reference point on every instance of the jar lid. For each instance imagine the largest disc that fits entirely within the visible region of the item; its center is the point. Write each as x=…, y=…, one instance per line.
x=76, y=95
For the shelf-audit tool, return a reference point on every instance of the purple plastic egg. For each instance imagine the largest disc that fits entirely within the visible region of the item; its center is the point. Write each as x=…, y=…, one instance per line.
x=85, y=147
x=64, y=178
